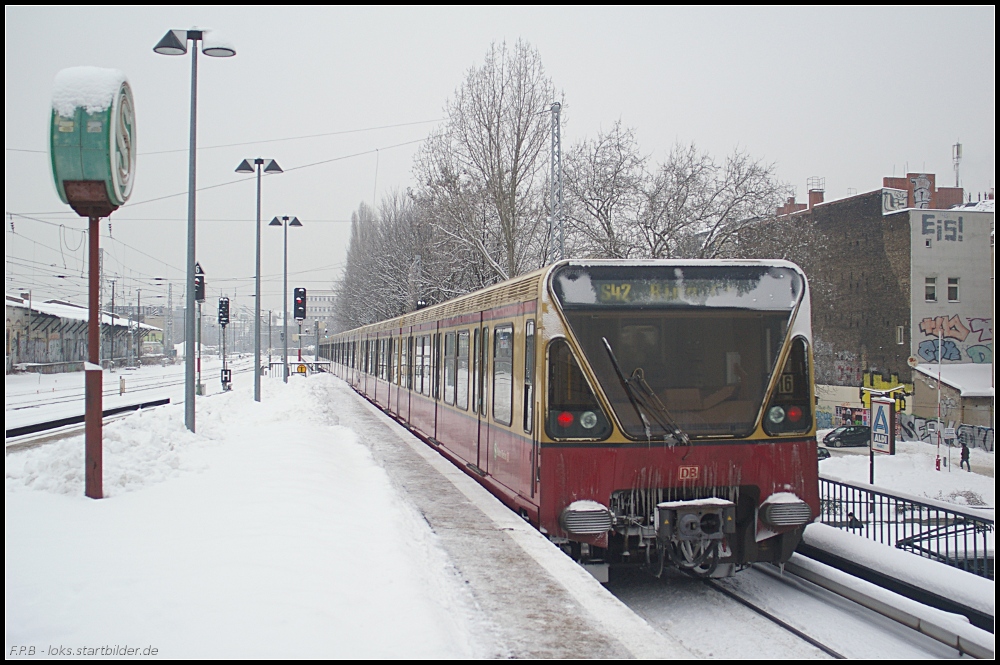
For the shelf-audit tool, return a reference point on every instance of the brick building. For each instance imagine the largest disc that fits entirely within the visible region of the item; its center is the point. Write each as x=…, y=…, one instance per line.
x=891, y=276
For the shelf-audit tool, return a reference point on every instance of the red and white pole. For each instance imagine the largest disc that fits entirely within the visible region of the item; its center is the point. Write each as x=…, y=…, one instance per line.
x=94, y=455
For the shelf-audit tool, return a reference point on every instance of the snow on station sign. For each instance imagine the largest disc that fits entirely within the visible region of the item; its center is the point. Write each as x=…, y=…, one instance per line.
x=92, y=139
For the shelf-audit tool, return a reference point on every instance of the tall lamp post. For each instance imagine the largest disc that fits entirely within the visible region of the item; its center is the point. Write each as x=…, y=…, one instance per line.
x=268, y=166
x=175, y=42
x=284, y=221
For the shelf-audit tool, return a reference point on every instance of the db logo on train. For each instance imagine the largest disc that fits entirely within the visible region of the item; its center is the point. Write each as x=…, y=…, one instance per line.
x=688, y=472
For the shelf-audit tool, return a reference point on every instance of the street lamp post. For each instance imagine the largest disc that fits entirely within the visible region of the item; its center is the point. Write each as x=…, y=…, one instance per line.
x=268, y=166
x=284, y=221
x=175, y=42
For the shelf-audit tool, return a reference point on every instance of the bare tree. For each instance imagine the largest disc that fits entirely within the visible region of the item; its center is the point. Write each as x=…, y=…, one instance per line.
x=604, y=184
x=483, y=169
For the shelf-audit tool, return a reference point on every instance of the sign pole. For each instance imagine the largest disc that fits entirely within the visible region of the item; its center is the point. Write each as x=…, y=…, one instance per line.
x=94, y=462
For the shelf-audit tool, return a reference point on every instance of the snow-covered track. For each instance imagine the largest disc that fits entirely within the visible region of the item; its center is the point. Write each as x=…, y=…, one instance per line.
x=774, y=619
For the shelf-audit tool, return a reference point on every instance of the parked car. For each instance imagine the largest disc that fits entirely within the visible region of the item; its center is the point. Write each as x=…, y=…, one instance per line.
x=822, y=453
x=849, y=435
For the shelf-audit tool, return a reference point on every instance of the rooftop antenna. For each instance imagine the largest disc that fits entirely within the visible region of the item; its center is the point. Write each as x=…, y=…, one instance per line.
x=956, y=159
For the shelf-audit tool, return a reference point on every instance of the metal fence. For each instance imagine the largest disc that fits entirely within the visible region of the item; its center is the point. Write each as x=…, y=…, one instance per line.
x=956, y=537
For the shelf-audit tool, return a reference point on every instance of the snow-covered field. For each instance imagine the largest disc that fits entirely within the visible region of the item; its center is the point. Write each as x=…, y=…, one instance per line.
x=251, y=539
x=254, y=537
x=913, y=470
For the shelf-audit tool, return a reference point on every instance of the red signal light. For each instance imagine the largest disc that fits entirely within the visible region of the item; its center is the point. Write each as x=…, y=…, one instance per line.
x=795, y=414
x=565, y=419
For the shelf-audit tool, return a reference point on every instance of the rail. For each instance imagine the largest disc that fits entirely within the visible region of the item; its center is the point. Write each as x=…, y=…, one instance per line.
x=951, y=535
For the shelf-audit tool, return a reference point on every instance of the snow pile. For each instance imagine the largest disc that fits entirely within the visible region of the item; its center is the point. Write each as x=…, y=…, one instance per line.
x=93, y=88
x=138, y=451
x=948, y=582
x=269, y=533
x=912, y=470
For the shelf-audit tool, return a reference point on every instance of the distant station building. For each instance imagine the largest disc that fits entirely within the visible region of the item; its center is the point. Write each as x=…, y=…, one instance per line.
x=900, y=276
x=51, y=336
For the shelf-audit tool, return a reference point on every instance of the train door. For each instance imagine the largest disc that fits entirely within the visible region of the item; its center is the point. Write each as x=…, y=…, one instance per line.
x=528, y=404
x=482, y=398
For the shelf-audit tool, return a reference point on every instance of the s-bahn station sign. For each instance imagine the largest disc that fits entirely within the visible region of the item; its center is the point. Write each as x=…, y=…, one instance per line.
x=92, y=150
x=92, y=139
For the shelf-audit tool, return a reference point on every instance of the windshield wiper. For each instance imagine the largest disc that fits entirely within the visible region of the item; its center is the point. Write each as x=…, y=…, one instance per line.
x=643, y=398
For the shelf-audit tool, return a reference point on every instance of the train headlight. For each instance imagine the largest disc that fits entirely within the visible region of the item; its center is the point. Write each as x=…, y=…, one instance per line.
x=776, y=415
x=565, y=419
x=588, y=419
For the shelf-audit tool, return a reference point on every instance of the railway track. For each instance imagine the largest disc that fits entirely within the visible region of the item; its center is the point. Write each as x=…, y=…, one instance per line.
x=762, y=611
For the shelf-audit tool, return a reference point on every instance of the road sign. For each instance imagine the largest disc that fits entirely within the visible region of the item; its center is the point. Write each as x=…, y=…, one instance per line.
x=882, y=419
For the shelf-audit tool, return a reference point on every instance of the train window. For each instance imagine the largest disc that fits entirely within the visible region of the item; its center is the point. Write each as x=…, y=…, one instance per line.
x=425, y=368
x=572, y=410
x=418, y=364
x=484, y=358
x=475, y=370
x=437, y=365
x=450, y=368
x=529, y=373
x=790, y=409
x=503, y=373
x=404, y=362
x=462, y=371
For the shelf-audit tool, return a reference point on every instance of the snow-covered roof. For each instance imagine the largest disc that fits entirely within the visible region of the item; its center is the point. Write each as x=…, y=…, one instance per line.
x=67, y=310
x=970, y=379
x=984, y=205
x=93, y=88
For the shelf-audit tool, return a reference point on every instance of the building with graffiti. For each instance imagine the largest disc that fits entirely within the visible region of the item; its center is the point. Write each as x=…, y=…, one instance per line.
x=51, y=336
x=899, y=276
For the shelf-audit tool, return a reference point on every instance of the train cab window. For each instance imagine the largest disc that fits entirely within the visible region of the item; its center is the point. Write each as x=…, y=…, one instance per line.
x=503, y=373
x=462, y=371
x=790, y=409
x=573, y=411
x=450, y=367
x=529, y=374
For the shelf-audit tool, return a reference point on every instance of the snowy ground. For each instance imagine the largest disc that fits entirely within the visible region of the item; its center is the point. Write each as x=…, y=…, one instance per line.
x=251, y=539
x=254, y=538
x=912, y=470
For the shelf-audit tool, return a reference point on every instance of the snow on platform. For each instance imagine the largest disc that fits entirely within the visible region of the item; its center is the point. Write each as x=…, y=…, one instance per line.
x=309, y=525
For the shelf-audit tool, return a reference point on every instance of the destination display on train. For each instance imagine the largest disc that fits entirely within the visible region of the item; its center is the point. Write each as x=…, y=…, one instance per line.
x=740, y=287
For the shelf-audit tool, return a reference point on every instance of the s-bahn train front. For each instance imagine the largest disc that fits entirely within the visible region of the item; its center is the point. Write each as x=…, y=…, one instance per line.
x=679, y=424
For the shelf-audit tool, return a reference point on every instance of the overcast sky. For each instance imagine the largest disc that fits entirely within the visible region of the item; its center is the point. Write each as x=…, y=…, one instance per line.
x=849, y=94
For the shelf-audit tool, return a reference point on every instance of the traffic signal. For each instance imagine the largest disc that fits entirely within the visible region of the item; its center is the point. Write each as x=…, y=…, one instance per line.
x=223, y=311
x=300, y=304
x=199, y=288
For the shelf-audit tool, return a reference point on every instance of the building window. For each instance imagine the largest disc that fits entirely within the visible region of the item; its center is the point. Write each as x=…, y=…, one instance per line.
x=927, y=242
x=953, y=289
x=930, y=289
x=899, y=334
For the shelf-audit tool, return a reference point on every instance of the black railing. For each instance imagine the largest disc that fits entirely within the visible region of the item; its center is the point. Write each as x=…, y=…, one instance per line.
x=951, y=535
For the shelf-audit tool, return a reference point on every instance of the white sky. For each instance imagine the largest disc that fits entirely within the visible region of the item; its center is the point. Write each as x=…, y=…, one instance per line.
x=849, y=94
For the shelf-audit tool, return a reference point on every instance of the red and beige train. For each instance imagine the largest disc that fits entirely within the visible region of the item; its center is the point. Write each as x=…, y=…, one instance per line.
x=633, y=411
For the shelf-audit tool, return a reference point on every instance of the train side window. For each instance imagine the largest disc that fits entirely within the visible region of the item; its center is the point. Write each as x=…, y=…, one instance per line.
x=425, y=369
x=437, y=365
x=573, y=411
x=462, y=371
x=529, y=374
x=402, y=361
x=503, y=373
x=408, y=362
x=484, y=355
x=450, y=367
x=475, y=371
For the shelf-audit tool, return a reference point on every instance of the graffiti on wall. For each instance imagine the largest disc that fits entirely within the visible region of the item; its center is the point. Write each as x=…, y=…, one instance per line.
x=824, y=418
x=942, y=227
x=952, y=332
x=921, y=191
x=850, y=415
x=846, y=368
x=875, y=381
x=893, y=200
x=914, y=428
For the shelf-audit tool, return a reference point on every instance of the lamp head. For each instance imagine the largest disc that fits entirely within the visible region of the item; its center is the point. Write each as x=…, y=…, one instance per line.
x=295, y=222
x=275, y=222
x=173, y=43
x=245, y=167
x=272, y=167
